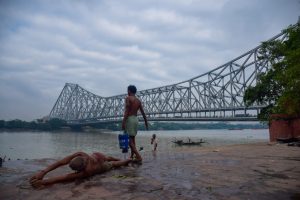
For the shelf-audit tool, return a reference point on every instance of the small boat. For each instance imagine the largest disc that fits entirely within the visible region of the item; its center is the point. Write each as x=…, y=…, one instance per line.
x=189, y=142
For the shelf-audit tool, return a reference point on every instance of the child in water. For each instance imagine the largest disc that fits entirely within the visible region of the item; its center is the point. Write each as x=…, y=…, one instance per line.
x=154, y=142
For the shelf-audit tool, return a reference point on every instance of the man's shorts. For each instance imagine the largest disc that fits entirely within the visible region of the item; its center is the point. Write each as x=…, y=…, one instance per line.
x=132, y=125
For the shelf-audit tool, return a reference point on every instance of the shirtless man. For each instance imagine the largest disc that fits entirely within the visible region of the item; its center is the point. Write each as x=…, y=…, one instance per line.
x=130, y=120
x=83, y=164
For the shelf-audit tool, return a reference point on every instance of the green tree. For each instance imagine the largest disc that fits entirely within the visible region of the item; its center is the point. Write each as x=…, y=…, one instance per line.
x=279, y=87
x=16, y=123
x=2, y=124
x=56, y=123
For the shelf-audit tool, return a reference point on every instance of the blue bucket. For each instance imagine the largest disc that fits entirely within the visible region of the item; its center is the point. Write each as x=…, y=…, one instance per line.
x=124, y=141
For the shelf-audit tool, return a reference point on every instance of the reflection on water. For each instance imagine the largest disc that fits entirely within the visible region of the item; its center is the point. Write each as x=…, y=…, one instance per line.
x=33, y=145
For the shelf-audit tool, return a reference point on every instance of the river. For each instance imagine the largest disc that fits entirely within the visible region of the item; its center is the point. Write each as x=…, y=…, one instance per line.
x=36, y=145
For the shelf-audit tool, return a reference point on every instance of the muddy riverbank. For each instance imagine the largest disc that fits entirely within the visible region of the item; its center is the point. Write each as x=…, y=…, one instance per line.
x=248, y=171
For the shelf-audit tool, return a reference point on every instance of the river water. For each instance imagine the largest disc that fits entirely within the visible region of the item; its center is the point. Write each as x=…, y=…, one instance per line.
x=35, y=145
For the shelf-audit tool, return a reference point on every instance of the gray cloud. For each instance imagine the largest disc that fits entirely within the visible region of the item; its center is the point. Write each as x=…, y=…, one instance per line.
x=106, y=45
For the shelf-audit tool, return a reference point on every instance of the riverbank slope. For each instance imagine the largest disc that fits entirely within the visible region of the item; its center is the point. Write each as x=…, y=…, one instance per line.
x=248, y=171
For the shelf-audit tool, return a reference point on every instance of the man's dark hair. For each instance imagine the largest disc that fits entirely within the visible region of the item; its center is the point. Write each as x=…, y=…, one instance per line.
x=132, y=89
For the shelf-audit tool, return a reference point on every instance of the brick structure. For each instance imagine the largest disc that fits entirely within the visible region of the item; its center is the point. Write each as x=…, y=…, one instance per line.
x=284, y=127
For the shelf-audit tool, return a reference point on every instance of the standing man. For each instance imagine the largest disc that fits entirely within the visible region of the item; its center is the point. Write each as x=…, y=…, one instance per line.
x=130, y=120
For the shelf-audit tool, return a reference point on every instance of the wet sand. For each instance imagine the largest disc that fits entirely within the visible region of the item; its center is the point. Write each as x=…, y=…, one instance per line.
x=248, y=171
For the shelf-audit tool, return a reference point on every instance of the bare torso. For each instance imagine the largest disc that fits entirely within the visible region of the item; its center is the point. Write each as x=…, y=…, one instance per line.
x=133, y=104
x=95, y=163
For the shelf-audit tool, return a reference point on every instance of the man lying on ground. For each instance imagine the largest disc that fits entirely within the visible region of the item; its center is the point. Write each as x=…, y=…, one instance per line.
x=84, y=165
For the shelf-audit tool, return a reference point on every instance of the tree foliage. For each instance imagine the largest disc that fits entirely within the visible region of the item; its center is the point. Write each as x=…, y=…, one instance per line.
x=52, y=124
x=279, y=87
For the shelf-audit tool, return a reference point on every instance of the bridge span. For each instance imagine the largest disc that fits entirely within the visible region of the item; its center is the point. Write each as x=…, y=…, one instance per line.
x=213, y=96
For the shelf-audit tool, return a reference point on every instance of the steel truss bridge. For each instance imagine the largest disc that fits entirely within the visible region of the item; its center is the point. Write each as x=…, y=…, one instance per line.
x=213, y=96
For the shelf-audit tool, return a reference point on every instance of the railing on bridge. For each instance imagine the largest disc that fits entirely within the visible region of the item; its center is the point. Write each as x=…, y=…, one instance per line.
x=216, y=95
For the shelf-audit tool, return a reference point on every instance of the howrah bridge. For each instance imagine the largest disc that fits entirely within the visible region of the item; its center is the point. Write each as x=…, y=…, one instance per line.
x=213, y=96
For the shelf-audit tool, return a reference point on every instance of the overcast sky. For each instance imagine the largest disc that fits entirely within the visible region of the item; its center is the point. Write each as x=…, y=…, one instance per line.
x=106, y=45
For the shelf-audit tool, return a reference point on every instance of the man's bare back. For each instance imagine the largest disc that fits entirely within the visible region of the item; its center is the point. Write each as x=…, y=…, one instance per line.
x=96, y=163
x=133, y=104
